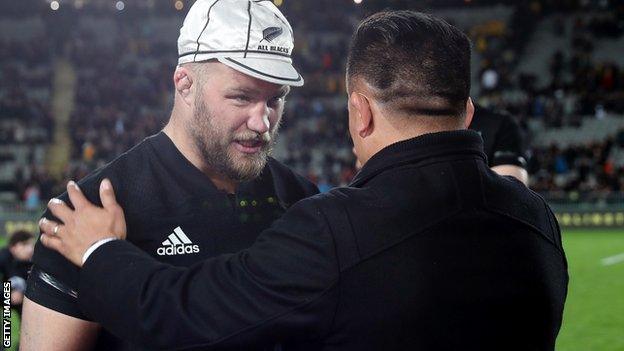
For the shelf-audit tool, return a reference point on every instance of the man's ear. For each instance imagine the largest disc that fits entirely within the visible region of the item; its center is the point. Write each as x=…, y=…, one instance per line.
x=183, y=81
x=470, y=109
x=363, y=114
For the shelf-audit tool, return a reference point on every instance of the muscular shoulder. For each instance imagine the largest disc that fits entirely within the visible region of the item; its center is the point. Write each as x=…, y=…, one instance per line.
x=502, y=135
x=129, y=167
x=497, y=122
x=56, y=278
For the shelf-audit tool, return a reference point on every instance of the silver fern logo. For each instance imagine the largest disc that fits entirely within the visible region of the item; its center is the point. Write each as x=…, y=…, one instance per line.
x=271, y=33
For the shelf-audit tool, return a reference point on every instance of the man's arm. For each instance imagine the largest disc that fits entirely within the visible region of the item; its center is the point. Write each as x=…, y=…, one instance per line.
x=281, y=286
x=509, y=153
x=46, y=329
x=52, y=315
x=512, y=170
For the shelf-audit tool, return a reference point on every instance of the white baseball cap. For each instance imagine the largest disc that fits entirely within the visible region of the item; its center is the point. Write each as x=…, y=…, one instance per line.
x=250, y=36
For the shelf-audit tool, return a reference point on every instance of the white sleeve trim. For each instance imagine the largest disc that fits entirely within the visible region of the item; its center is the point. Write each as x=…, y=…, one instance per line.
x=94, y=247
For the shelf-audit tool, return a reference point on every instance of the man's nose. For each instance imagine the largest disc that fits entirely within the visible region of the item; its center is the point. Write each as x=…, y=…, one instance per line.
x=259, y=119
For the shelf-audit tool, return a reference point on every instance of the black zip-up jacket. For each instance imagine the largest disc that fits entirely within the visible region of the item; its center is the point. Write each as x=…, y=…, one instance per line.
x=427, y=249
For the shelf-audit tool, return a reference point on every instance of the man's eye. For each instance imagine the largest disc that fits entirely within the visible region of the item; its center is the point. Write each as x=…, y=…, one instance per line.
x=242, y=98
x=275, y=101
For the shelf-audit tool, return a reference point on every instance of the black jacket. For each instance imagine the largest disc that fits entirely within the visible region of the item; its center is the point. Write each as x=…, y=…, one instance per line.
x=426, y=250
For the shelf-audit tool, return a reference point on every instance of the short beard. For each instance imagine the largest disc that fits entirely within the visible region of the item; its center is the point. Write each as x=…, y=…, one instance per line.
x=214, y=147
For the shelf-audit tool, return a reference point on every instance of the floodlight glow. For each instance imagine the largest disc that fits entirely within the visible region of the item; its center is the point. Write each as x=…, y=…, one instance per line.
x=54, y=5
x=120, y=5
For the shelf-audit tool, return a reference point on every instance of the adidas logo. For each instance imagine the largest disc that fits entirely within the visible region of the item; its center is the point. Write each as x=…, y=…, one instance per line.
x=177, y=243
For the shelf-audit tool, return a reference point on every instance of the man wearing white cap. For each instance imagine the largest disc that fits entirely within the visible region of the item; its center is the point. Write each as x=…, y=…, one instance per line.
x=204, y=185
x=252, y=37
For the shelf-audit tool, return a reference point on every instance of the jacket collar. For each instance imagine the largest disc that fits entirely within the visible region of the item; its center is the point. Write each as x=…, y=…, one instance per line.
x=419, y=149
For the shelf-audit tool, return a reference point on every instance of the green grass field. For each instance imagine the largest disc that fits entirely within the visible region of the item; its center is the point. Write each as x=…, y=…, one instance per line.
x=594, y=312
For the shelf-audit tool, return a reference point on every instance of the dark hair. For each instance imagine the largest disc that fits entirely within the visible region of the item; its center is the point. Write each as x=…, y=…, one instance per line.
x=419, y=64
x=19, y=236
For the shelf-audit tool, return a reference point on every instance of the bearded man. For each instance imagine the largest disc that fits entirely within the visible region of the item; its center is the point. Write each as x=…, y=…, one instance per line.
x=205, y=185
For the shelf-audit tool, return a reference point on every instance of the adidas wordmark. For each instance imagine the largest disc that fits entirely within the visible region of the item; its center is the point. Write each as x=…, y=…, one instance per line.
x=177, y=243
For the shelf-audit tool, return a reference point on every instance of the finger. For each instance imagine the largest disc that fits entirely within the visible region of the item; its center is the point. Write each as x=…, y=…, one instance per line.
x=107, y=194
x=76, y=196
x=52, y=242
x=47, y=226
x=60, y=210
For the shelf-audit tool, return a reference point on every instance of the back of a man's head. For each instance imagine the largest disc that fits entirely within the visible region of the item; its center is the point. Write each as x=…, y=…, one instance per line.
x=416, y=64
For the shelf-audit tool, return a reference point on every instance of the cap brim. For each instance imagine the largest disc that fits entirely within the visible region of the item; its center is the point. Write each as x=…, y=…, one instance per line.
x=273, y=71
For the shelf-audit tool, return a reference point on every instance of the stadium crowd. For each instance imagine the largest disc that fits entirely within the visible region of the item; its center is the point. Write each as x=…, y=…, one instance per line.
x=26, y=123
x=120, y=96
x=595, y=167
x=124, y=94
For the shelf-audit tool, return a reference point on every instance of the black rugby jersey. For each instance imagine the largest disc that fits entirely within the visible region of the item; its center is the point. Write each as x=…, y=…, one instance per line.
x=503, y=141
x=174, y=213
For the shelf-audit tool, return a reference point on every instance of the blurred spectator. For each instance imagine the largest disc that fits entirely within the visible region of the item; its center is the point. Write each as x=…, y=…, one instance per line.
x=15, y=262
x=597, y=166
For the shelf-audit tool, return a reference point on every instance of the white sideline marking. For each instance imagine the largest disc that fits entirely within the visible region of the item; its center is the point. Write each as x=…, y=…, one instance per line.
x=611, y=260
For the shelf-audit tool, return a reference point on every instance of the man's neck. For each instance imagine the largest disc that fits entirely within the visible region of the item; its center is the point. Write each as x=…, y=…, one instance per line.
x=183, y=143
x=394, y=135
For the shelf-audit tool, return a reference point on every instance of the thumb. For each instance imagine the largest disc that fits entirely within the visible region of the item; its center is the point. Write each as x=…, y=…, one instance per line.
x=107, y=194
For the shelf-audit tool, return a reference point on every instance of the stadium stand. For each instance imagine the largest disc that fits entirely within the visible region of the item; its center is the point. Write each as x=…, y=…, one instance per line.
x=25, y=118
x=556, y=68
